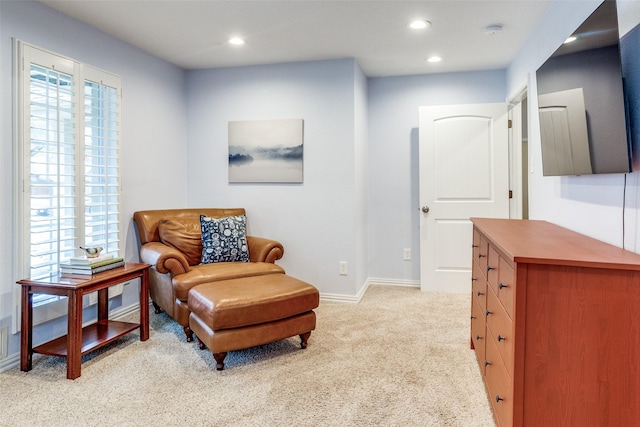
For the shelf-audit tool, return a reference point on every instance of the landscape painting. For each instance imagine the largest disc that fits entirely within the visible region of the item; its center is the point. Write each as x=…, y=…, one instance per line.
x=266, y=151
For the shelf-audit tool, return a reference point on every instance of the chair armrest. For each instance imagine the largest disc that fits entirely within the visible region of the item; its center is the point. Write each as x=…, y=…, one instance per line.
x=264, y=250
x=164, y=258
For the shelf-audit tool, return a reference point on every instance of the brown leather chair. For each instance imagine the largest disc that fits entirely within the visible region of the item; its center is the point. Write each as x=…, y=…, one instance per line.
x=170, y=241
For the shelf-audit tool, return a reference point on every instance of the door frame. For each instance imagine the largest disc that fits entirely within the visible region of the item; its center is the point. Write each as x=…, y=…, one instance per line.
x=514, y=102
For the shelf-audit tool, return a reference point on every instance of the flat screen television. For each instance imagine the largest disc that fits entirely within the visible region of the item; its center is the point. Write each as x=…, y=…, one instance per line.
x=581, y=100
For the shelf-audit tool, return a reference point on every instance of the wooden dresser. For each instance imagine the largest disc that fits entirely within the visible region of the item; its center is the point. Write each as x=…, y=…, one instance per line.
x=555, y=324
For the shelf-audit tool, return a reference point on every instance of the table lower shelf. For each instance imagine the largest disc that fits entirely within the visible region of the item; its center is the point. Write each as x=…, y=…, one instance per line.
x=93, y=336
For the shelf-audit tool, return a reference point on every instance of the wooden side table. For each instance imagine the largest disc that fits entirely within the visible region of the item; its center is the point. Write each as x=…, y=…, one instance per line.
x=79, y=340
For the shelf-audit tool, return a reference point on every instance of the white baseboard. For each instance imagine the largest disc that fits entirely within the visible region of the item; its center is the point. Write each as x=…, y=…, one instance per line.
x=394, y=282
x=354, y=299
x=10, y=362
x=369, y=282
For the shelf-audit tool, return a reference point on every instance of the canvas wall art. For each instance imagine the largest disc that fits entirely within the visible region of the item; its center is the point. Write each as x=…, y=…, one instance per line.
x=268, y=151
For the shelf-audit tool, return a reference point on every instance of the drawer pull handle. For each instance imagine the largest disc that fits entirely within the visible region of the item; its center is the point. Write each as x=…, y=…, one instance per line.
x=473, y=317
x=473, y=279
x=501, y=338
x=474, y=246
x=481, y=256
x=480, y=294
x=501, y=285
x=478, y=337
x=489, y=268
x=489, y=312
x=487, y=363
x=498, y=398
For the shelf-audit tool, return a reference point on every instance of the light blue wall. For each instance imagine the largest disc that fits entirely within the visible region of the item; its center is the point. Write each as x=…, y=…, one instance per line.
x=367, y=197
x=315, y=220
x=153, y=131
x=393, y=159
x=561, y=19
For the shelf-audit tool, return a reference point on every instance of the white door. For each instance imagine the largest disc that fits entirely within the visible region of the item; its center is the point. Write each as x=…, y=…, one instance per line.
x=464, y=173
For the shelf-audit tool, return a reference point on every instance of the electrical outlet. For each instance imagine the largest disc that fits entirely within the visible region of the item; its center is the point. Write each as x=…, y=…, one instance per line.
x=342, y=268
x=407, y=254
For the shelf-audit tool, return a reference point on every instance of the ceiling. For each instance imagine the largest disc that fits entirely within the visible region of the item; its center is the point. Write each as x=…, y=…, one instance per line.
x=193, y=34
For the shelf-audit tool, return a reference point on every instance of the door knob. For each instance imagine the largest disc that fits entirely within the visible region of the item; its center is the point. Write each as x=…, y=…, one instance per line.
x=425, y=209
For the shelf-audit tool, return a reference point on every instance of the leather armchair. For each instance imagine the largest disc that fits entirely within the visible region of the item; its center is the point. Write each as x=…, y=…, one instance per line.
x=170, y=241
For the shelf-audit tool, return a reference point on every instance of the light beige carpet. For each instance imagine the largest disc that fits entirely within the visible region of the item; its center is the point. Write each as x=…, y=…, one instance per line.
x=398, y=358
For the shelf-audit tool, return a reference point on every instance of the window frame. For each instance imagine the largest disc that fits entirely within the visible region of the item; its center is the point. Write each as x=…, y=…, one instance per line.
x=26, y=54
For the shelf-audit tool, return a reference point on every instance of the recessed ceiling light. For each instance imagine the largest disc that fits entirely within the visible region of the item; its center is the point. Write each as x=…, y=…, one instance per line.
x=419, y=24
x=237, y=41
x=571, y=39
x=434, y=59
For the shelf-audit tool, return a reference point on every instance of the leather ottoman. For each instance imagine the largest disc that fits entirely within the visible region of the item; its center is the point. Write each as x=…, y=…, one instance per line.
x=240, y=313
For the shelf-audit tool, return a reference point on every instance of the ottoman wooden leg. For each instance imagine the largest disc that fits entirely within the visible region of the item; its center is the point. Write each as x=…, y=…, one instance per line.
x=304, y=338
x=201, y=345
x=188, y=332
x=219, y=360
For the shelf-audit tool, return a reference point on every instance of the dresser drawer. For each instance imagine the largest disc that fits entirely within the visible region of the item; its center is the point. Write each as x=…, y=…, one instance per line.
x=476, y=244
x=499, y=386
x=506, y=288
x=478, y=287
x=493, y=263
x=478, y=332
x=483, y=252
x=500, y=330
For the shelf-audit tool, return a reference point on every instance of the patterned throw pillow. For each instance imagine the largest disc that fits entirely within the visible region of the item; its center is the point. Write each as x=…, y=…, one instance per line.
x=224, y=239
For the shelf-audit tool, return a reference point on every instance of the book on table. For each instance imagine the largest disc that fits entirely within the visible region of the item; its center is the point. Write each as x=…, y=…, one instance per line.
x=84, y=260
x=89, y=269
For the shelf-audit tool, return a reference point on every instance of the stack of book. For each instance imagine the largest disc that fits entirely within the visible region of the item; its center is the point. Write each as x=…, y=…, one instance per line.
x=88, y=266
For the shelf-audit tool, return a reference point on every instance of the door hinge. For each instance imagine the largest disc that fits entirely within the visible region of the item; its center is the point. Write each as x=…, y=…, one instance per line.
x=511, y=194
x=509, y=123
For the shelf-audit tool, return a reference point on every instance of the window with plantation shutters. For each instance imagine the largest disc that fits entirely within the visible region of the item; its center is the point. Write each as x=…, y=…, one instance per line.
x=101, y=172
x=69, y=144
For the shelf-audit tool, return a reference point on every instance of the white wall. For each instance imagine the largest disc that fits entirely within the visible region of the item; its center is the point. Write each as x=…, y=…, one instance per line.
x=394, y=214
x=316, y=221
x=591, y=205
x=153, y=130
